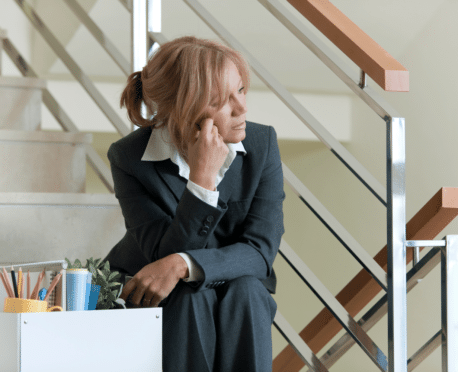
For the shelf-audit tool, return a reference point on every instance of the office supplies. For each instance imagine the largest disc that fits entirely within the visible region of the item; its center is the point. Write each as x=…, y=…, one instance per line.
x=39, y=280
x=53, y=284
x=13, y=278
x=19, y=283
x=42, y=294
x=22, y=305
x=7, y=280
x=5, y=285
x=28, y=284
x=76, y=289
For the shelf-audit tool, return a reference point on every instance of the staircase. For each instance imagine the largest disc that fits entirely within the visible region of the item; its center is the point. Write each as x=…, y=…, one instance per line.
x=45, y=213
x=76, y=224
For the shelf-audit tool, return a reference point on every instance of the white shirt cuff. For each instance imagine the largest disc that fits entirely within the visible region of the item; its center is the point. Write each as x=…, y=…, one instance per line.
x=195, y=273
x=207, y=196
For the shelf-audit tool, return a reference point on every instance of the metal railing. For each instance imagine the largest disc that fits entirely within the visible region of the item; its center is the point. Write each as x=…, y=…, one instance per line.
x=393, y=196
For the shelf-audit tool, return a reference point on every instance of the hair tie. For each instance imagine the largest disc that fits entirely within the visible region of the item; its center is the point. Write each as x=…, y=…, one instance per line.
x=139, y=85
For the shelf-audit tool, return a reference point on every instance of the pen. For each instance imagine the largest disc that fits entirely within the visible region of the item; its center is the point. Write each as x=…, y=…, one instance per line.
x=53, y=284
x=8, y=284
x=13, y=278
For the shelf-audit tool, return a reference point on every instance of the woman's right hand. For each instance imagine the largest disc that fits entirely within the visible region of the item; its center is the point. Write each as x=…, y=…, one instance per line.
x=206, y=155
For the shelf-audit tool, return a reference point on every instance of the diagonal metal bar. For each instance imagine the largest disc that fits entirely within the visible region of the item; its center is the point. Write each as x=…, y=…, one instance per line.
x=74, y=69
x=334, y=306
x=379, y=310
x=295, y=106
x=127, y=4
x=93, y=158
x=157, y=37
x=298, y=344
x=98, y=34
x=341, y=234
x=425, y=351
x=380, y=106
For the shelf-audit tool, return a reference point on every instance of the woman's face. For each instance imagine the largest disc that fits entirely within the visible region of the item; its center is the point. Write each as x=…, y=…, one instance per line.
x=230, y=119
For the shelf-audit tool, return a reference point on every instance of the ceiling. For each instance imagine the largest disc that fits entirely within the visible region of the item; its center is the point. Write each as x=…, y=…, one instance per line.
x=391, y=23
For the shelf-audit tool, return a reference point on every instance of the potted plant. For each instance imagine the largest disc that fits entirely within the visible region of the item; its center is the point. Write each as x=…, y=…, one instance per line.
x=110, y=288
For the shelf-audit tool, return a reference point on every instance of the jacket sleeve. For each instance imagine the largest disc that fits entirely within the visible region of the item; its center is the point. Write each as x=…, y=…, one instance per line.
x=254, y=252
x=158, y=234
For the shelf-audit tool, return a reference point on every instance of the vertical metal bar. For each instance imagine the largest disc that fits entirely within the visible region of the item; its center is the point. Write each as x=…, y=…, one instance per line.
x=396, y=238
x=139, y=39
x=154, y=23
x=449, y=297
x=139, y=34
x=416, y=255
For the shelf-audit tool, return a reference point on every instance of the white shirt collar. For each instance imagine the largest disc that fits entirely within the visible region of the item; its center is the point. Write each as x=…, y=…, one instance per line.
x=160, y=147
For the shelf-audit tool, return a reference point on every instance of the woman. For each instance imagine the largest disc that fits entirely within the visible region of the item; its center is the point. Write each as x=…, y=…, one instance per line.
x=201, y=191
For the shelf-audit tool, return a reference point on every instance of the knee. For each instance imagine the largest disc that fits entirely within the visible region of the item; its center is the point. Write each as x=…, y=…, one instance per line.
x=248, y=291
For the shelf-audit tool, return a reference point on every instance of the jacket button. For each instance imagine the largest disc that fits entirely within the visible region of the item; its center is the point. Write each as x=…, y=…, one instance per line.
x=210, y=218
x=207, y=224
x=203, y=232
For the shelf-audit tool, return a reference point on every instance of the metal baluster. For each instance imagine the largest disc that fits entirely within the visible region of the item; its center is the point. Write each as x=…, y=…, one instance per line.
x=449, y=298
x=396, y=239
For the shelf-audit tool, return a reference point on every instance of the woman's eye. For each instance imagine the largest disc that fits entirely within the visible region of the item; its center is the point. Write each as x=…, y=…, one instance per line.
x=241, y=89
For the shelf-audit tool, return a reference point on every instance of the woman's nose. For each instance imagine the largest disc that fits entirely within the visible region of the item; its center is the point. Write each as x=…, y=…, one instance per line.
x=240, y=107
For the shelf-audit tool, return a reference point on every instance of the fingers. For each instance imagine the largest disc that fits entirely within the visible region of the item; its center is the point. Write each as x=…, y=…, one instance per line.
x=207, y=126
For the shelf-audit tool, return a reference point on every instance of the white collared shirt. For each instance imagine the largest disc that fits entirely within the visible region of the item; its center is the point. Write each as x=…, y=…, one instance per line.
x=160, y=147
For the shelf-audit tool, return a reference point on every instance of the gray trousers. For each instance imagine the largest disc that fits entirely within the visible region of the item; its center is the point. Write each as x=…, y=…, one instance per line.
x=224, y=329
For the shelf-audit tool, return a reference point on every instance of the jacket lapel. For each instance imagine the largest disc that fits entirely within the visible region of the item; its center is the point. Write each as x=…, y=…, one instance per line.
x=168, y=171
x=231, y=178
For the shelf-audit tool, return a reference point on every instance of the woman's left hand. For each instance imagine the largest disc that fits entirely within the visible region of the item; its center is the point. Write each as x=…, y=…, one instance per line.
x=155, y=281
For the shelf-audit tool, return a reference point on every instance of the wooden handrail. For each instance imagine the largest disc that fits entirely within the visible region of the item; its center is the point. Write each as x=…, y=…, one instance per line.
x=355, y=43
x=429, y=221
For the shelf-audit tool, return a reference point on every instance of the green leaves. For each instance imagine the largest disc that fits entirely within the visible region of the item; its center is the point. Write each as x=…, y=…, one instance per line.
x=110, y=287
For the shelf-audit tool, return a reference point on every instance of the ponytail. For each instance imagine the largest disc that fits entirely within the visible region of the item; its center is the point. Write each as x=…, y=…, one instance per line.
x=132, y=98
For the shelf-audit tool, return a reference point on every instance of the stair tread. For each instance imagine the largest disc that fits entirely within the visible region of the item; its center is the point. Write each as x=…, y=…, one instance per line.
x=58, y=199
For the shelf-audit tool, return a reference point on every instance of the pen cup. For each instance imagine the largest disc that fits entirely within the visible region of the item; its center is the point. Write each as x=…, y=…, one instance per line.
x=76, y=289
x=21, y=305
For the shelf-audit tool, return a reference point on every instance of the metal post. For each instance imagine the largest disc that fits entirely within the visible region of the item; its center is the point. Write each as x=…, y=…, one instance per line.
x=396, y=238
x=139, y=39
x=449, y=297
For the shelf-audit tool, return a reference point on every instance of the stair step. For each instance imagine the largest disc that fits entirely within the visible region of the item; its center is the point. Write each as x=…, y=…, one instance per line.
x=21, y=103
x=51, y=226
x=43, y=161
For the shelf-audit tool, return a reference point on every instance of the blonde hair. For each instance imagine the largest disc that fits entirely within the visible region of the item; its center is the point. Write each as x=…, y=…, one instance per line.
x=177, y=85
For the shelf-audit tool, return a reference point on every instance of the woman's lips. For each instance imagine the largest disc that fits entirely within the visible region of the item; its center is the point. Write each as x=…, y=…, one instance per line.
x=240, y=126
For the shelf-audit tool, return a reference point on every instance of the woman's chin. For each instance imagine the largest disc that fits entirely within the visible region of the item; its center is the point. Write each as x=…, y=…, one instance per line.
x=236, y=137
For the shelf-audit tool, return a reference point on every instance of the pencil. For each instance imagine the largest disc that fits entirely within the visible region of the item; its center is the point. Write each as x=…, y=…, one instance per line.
x=37, y=286
x=53, y=284
x=28, y=284
x=7, y=280
x=19, y=283
x=4, y=284
x=13, y=278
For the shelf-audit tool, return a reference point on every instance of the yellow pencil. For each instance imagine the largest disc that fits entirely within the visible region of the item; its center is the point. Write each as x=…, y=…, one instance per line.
x=19, y=284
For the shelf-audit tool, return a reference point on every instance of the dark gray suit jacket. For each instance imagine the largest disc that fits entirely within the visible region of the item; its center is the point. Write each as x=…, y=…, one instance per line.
x=239, y=237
